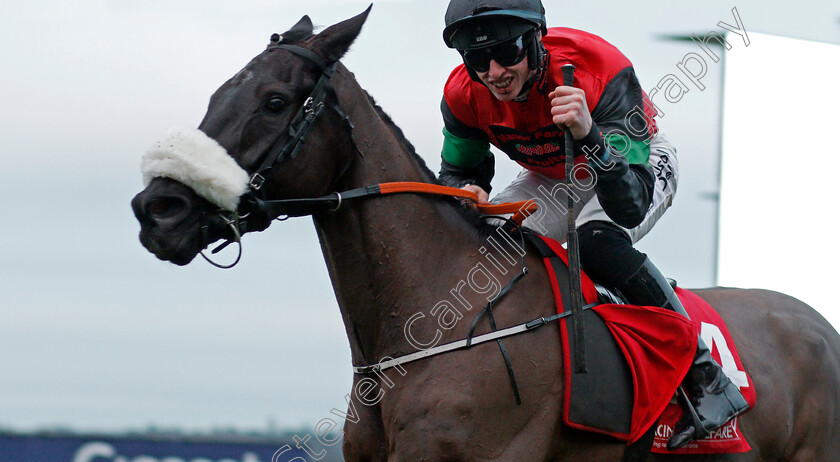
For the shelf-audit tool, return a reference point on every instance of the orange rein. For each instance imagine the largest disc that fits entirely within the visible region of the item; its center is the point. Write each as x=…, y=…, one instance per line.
x=520, y=210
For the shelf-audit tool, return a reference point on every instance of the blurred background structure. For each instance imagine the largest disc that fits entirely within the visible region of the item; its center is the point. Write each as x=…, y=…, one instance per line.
x=96, y=335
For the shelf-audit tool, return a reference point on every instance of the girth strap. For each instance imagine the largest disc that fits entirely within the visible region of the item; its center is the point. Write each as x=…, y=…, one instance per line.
x=488, y=310
x=462, y=344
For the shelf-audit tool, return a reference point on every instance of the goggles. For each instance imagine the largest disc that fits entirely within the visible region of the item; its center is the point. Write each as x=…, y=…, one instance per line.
x=506, y=54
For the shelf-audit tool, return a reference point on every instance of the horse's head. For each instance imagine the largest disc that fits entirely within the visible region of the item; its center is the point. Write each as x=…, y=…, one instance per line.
x=250, y=145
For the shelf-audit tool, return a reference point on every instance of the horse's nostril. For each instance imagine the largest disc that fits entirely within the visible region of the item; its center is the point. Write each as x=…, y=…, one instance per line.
x=166, y=208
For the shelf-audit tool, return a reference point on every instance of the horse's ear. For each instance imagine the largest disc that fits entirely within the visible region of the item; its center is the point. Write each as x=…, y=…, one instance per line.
x=335, y=40
x=300, y=31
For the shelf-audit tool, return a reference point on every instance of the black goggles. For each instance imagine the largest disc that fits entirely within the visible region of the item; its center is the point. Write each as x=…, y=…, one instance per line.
x=506, y=54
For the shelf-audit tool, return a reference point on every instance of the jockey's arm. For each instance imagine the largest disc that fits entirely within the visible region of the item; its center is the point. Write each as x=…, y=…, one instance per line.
x=624, y=189
x=465, y=158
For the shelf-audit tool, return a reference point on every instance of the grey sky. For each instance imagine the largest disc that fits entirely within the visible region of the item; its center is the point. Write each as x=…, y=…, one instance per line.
x=96, y=333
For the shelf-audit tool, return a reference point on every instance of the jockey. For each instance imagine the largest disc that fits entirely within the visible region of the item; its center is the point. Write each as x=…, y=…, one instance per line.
x=509, y=92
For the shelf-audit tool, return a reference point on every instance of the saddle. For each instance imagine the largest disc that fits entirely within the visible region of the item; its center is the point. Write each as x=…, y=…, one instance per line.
x=636, y=357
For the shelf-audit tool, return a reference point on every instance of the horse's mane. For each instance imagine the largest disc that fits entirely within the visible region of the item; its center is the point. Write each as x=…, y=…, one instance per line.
x=472, y=216
x=303, y=32
x=403, y=140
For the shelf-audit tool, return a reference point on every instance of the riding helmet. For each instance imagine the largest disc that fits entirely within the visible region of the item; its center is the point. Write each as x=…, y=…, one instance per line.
x=474, y=24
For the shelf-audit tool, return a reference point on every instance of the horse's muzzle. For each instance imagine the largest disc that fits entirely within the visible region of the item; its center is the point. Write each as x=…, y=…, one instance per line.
x=170, y=216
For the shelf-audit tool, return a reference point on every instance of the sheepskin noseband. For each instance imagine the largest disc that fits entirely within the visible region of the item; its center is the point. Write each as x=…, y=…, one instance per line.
x=190, y=157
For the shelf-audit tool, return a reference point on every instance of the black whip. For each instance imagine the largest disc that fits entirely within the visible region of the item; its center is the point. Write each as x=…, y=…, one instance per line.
x=572, y=246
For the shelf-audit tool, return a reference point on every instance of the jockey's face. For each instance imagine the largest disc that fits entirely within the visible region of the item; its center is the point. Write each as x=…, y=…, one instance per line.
x=506, y=82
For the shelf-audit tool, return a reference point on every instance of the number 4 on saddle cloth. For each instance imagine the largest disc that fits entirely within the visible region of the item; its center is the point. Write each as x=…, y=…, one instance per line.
x=636, y=358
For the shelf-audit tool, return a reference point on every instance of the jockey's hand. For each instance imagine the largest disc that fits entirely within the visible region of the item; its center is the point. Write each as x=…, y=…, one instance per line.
x=569, y=110
x=483, y=197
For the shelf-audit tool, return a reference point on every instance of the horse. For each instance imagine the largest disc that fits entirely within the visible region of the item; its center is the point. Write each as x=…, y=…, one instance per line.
x=392, y=260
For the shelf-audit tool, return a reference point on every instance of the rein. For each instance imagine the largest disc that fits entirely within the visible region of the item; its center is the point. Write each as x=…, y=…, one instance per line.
x=333, y=202
x=255, y=213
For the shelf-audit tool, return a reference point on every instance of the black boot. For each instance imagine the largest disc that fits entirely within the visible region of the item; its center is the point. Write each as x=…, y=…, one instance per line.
x=714, y=399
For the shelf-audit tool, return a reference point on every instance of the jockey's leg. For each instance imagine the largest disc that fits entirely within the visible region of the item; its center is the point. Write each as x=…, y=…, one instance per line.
x=608, y=256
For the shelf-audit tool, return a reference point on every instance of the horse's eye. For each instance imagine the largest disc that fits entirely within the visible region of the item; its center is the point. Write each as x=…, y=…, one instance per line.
x=275, y=104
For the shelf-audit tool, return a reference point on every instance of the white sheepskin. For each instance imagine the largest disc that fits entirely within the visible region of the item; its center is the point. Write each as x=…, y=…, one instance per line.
x=189, y=156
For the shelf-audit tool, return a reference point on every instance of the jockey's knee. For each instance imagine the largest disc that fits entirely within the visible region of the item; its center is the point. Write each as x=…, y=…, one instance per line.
x=607, y=254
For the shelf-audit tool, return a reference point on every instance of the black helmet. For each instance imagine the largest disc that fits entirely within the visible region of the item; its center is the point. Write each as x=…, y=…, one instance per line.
x=474, y=24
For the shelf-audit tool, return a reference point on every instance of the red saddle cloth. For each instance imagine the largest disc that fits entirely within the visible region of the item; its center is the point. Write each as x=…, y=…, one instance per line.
x=658, y=346
x=728, y=438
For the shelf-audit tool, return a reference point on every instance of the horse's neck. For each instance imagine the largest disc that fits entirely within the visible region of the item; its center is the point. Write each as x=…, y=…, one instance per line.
x=394, y=256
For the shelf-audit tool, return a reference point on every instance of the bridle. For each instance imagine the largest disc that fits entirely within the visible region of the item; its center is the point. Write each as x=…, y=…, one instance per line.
x=287, y=147
x=255, y=212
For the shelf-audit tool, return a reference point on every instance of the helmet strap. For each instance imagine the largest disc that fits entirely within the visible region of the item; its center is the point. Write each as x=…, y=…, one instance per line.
x=539, y=59
x=473, y=75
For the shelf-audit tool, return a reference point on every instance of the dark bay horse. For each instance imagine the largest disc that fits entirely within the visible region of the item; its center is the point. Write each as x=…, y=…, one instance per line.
x=395, y=259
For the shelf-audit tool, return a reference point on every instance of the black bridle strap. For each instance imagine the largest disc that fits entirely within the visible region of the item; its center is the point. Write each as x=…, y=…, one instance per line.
x=306, y=54
x=287, y=147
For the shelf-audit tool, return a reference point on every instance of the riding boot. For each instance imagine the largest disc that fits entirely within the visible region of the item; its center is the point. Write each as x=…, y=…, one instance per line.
x=714, y=399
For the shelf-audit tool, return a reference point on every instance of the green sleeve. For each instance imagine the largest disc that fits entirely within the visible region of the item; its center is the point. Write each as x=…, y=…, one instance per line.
x=636, y=152
x=463, y=152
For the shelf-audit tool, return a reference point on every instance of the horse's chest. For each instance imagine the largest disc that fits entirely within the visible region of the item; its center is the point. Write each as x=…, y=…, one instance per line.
x=458, y=424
